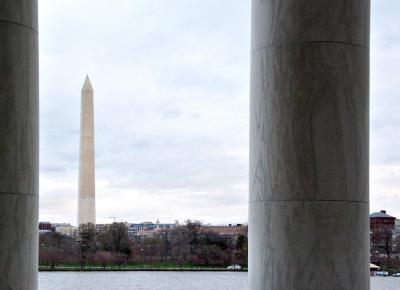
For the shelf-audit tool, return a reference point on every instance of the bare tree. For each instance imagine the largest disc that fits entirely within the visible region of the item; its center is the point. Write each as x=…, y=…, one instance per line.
x=104, y=258
x=87, y=241
x=119, y=234
x=382, y=243
x=193, y=232
x=179, y=238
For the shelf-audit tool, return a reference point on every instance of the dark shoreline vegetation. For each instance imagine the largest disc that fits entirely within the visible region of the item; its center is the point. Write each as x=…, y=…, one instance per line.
x=182, y=248
x=99, y=268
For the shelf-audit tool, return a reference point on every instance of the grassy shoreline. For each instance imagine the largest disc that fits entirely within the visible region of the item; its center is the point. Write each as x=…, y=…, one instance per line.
x=134, y=269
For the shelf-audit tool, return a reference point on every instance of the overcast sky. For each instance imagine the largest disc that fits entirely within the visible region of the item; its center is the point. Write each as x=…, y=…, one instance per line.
x=385, y=107
x=171, y=84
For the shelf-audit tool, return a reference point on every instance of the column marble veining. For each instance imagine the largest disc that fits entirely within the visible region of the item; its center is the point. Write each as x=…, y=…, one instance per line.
x=18, y=144
x=309, y=123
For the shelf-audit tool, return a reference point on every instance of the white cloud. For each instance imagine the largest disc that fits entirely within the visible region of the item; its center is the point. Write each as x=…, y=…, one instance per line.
x=385, y=99
x=171, y=107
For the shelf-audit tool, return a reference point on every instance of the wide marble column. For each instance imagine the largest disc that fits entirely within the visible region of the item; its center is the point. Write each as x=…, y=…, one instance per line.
x=18, y=144
x=308, y=205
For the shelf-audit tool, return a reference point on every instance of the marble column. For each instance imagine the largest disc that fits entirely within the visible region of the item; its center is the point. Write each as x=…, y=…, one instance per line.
x=18, y=144
x=309, y=200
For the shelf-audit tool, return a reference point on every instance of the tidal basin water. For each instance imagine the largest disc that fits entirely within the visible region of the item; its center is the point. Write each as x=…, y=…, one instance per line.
x=164, y=281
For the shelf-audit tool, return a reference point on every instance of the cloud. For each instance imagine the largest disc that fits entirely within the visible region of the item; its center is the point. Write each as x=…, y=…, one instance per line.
x=385, y=99
x=171, y=98
x=171, y=81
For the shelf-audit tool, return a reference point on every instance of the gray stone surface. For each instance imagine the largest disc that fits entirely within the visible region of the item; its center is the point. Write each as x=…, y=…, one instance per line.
x=18, y=110
x=20, y=12
x=308, y=212
x=87, y=197
x=18, y=241
x=313, y=134
x=18, y=144
x=286, y=21
x=306, y=245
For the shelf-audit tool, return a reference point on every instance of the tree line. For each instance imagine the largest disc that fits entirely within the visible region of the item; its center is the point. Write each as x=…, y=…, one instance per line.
x=182, y=246
x=385, y=249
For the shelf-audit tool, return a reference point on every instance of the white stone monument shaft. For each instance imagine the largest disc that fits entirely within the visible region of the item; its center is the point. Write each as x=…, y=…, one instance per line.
x=87, y=201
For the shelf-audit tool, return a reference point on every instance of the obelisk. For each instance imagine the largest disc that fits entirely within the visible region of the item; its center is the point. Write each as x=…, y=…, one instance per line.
x=87, y=202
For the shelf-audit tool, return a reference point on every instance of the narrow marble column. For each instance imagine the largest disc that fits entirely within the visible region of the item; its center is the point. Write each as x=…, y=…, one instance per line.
x=308, y=204
x=18, y=144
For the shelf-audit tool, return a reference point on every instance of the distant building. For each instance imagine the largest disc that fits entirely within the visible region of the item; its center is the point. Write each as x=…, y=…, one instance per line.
x=45, y=226
x=382, y=231
x=101, y=228
x=397, y=226
x=228, y=230
x=381, y=221
x=66, y=229
x=149, y=229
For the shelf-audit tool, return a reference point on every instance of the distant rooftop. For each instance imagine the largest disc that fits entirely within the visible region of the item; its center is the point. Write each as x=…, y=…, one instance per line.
x=380, y=214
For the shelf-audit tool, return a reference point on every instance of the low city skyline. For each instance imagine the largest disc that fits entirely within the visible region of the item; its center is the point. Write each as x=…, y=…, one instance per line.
x=171, y=109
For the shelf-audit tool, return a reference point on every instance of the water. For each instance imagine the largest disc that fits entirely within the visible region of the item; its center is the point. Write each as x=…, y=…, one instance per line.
x=164, y=281
x=142, y=280
x=385, y=283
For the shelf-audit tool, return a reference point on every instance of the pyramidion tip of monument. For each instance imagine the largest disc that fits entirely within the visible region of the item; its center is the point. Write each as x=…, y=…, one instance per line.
x=87, y=86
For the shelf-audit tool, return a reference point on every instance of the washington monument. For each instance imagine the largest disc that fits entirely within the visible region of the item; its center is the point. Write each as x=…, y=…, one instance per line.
x=86, y=199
